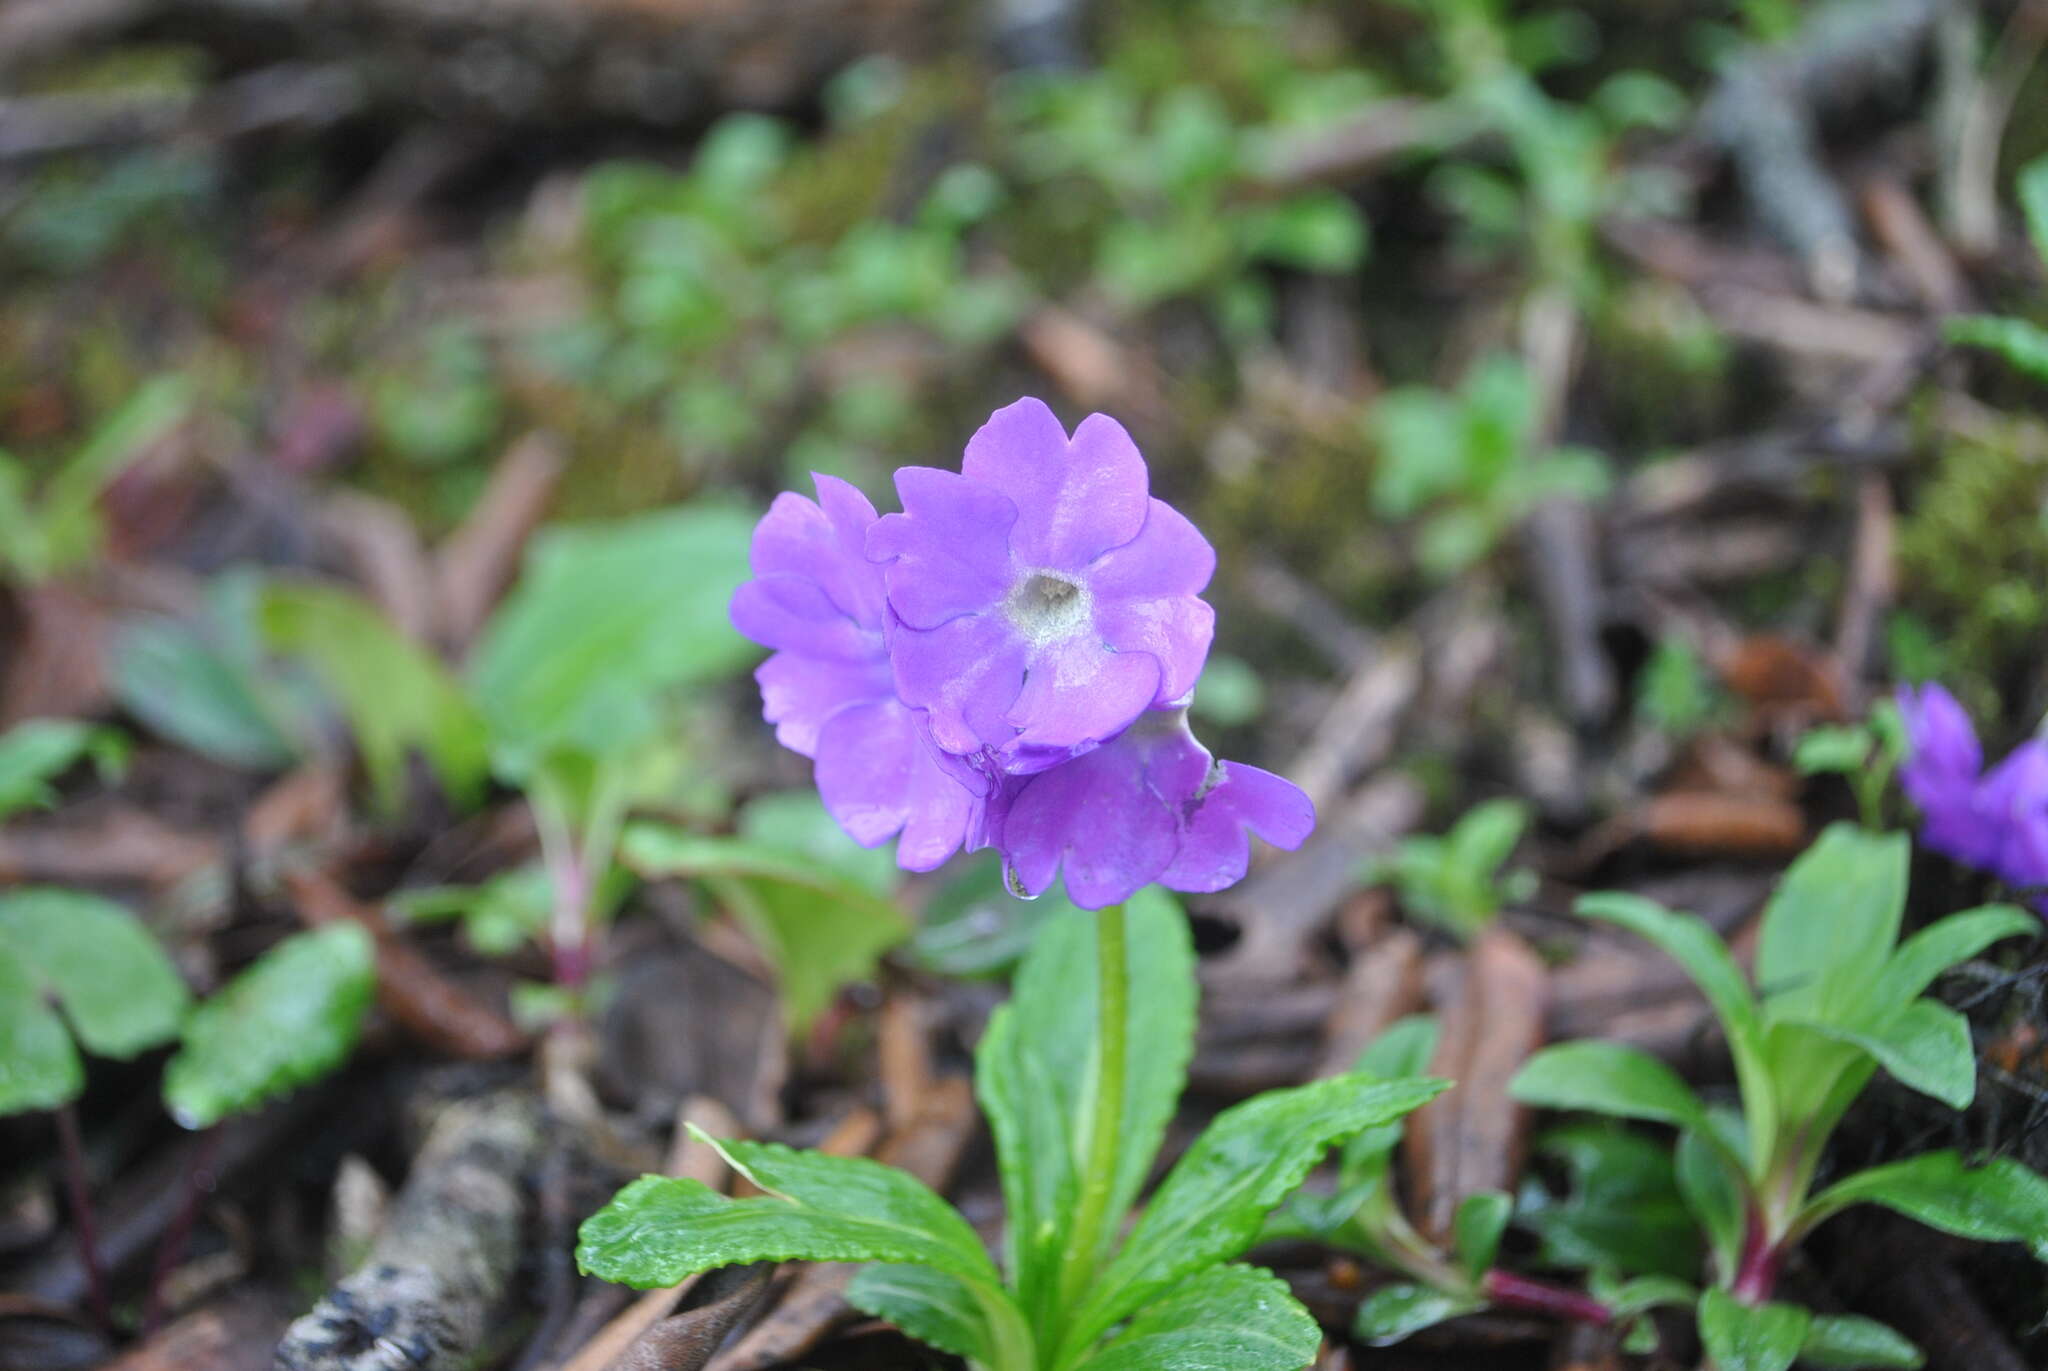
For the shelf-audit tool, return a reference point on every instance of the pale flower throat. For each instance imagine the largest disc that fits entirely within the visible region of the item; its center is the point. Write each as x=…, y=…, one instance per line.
x=1047, y=607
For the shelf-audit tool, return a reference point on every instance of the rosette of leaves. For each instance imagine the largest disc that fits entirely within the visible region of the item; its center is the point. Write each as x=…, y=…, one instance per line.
x=1169, y=1295
x=1596, y=1226
x=1838, y=996
x=1455, y=882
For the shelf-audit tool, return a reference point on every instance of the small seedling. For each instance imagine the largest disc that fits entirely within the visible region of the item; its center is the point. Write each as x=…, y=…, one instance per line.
x=2022, y=343
x=1837, y=996
x=1455, y=882
x=36, y=752
x=1866, y=755
x=1078, y=1114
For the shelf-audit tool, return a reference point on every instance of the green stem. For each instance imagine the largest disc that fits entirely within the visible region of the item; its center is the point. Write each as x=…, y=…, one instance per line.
x=1093, y=1225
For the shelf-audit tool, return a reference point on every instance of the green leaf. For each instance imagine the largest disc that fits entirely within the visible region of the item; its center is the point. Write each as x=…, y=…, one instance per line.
x=1699, y=951
x=1847, y=1340
x=65, y=526
x=1230, y=1318
x=1036, y=1066
x=821, y=929
x=1926, y=1047
x=1608, y=1078
x=1940, y=945
x=2033, y=193
x=2000, y=1201
x=974, y=927
x=1394, y=1312
x=1212, y=1203
x=2023, y=345
x=1619, y=1205
x=1837, y=748
x=1745, y=1337
x=815, y=1207
x=936, y=1307
x=37, y=751
x=117, y=988
x=1626, y=1298
x=395, y=695
x=1715, y=1191
x=187, y=689
x=1481, y=1218
x=1831, y=925
x=1401, y=1050
x=795, y=822
x=290, y=1018
x=39, y=1068
x=1320, y=232
x=604, y=616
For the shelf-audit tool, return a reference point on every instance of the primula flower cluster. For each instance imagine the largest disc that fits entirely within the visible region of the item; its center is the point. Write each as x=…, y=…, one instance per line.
x=1996, y=820
x=1007, y=663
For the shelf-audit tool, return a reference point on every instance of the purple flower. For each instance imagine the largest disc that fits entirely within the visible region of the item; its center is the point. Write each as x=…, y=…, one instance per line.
x=1150, y=805
x=818, y=601
x=2012, y=817
x=1042, y=598
x=1007, y=663
x=1940, y=775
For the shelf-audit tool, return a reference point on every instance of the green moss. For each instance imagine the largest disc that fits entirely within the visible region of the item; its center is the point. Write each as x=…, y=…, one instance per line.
x=1974, y=555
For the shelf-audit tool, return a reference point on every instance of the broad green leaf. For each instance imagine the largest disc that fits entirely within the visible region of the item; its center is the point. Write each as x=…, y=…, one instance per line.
x=1619, y=1205
x=1942, y=944
x=1036, y=1067
x=1925, y=1045
x=1402, y=1049
x=1395, y=1312
x=395, y=695
x=1212, y=1203
x=1229, y=1318
x=1746, y=1337
x=974, y=927
x=1847, y=1341
x=1699, y=951
x=1715, y=1191
x=183, y=687
x=821, y=929
x=2023, y=345
x=936, y=1307
x=36, y=752
x=39, y=1068
x=1481, y=1218
x=603, y=616
x=1831, y=925
x=2000, y=1201
x=117, y=988
x=814, y=1207
x=1608, y=1078
x=290, y=1018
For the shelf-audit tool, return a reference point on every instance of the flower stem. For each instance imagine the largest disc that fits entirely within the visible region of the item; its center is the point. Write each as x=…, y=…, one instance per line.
x=73, y=1148
x=1509, y=1291
x=1091, y=1229
x=1757, y=1274
x=171, y=1251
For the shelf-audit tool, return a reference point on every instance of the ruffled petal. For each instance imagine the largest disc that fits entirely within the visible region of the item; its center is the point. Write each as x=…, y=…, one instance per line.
x=1174, y=632
x=1099, y=817
x=1076, y=694
x=1168, y=557
x=2005, y=830
x=948, y=551
x=824, y=543
x=793, y=613
x=1075, y=499
x=1215, y=849
x=877, y=777
x=798, y=694
x=966, y=674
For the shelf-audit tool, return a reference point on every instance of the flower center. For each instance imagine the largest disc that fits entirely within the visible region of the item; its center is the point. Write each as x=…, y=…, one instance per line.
x=1047, y=606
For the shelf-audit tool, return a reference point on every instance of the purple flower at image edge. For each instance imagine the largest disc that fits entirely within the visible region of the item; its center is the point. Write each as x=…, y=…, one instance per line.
x=2012, y=810
x=818, y=602
x=1043, y=598
x=1941, y=775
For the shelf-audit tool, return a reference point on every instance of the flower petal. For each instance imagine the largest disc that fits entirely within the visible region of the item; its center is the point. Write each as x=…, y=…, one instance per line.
x=877, y=777
x=793, y=613
x=823, y=542
x=1168, y=557
x=799, y=693
x=947, y=552
x=1215, y=849
x=1077, y=693
x=1075, y=499
x=1103, y=817
x=966, y=674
